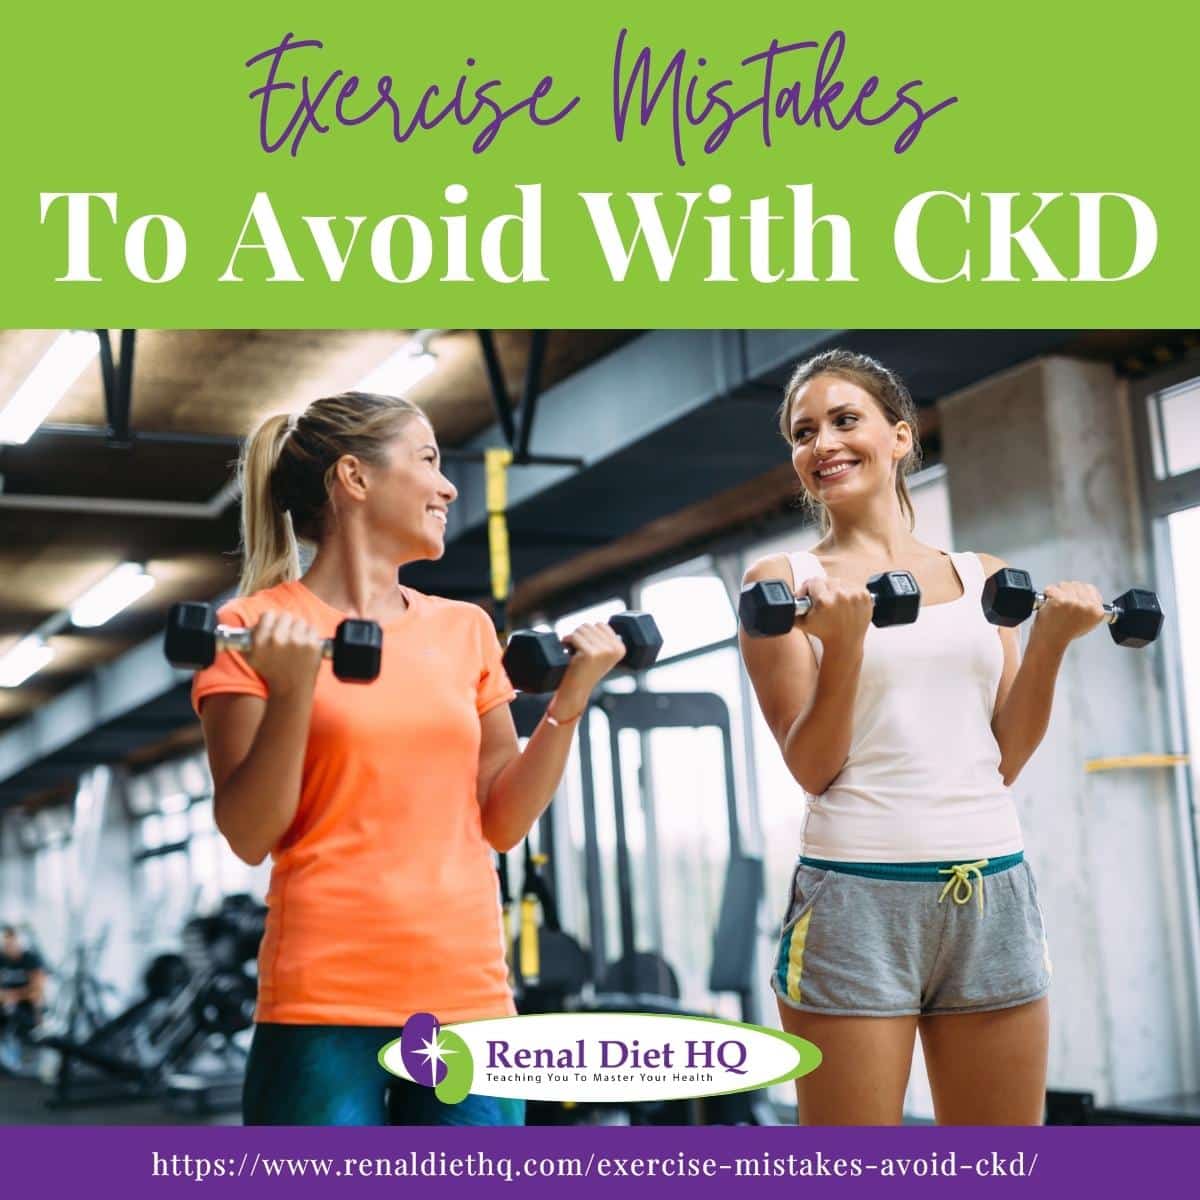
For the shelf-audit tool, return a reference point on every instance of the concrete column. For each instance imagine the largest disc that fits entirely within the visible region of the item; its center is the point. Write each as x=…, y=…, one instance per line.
x=1041, y=474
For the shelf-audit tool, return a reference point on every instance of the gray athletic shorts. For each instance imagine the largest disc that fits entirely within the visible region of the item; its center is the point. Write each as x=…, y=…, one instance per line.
x=925, y=938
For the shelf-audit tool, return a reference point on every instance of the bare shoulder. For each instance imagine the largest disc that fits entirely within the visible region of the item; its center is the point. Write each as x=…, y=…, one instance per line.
x=771, y=566
x=990, y=563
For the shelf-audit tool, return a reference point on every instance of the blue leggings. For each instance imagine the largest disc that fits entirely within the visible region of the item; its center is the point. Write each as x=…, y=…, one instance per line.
x=330, y=1075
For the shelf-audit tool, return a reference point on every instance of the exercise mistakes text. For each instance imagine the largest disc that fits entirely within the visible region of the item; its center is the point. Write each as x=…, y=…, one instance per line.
x=786, y=83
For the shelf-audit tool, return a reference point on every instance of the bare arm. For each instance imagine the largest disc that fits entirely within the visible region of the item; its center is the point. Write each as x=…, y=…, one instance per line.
x=35, y=989
x=515, y=786
x=809, y=709
x=255, y=746
x=1025, y=697
x=256, y=753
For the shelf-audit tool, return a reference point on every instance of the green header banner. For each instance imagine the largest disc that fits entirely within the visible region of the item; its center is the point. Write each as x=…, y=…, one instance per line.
x=310, y=165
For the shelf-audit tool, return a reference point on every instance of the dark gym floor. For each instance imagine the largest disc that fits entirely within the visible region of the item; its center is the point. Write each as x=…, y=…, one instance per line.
x=23, y=1102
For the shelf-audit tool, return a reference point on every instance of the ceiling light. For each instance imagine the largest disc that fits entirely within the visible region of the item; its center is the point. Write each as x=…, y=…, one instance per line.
x=46, y=385
x=116, y=591
x=402, y=370
x=174, y=802
x=26, y=658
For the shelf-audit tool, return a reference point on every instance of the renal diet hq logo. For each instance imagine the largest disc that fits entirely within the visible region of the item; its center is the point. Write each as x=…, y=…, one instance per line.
x=614, y=1057
x=434, y=1057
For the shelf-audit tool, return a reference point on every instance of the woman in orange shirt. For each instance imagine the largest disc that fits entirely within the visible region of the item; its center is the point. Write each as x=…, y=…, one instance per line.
x=380, y=804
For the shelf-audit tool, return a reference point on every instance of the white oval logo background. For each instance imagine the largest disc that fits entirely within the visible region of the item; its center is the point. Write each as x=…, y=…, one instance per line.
x=621, y=1056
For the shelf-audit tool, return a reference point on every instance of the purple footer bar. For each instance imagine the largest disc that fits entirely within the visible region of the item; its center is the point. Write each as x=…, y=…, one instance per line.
x=160, y=1161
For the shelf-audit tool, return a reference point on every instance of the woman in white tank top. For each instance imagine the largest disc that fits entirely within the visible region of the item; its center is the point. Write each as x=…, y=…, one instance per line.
x=912, y=907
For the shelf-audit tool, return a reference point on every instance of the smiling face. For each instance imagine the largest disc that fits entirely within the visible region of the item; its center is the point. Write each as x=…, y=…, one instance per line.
x=422, y=494
x=407, y=497
x=844, y=446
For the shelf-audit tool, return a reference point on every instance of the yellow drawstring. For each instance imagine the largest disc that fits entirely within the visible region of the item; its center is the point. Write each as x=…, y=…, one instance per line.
x=960, y=881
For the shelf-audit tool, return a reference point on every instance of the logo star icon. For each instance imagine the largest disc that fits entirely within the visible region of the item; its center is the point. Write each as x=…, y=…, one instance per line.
x=434, y=1051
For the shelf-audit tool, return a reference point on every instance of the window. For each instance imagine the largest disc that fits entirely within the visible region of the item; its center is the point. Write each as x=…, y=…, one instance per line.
x=1184, y=538
x=583, y=616
x=687, y=798
x=568, y=867
x=692, y=610
x=1175, y=429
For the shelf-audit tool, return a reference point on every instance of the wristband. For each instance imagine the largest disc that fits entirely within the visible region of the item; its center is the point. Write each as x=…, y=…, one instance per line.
x=551, y=719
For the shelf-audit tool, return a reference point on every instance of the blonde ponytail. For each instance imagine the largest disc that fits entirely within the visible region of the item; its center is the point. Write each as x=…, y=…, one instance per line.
x=270, y=554
x=286, y=468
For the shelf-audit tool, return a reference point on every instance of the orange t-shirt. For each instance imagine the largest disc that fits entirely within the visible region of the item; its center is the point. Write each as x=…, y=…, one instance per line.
x=383, y=898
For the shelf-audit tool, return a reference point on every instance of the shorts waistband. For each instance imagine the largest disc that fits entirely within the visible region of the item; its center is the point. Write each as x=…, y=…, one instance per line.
x=918, y=872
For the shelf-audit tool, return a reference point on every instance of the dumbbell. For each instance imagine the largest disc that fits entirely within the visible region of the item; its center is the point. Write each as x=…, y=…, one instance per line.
x=537, y=661
x=769, y=608
x=193, y=638
x=1134, y=617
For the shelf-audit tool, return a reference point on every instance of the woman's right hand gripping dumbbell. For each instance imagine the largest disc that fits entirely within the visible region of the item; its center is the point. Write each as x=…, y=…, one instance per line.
x=595, y=649
x=287, y=652
x=840, y=613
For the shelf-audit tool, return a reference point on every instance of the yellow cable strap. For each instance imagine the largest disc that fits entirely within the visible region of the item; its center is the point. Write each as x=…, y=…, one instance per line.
x=531, y=964
x=506, y=919
x=1133, y=762
x=495, y=464
x=960, y=881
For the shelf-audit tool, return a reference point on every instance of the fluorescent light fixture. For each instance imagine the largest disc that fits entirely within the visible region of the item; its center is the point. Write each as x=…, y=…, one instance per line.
x=174, y=802
x=26, y=658
x=46, y=385
x=117, y=590
x=396, y=374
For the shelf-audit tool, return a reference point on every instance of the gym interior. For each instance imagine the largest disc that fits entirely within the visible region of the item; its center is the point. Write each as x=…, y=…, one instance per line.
x=647, y=472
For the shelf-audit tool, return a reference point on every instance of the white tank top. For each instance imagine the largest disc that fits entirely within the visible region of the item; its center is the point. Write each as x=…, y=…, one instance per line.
x=922, y=780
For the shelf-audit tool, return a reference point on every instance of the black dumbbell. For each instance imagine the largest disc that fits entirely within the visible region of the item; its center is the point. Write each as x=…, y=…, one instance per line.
x=193, y=638
x=537, y=661
x=769, y=608
x=1134, y=617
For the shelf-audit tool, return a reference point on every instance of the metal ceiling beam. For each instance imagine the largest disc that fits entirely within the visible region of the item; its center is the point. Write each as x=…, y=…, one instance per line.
x=118, y=385
x=503, y=406
x=111, y=691
x=533, y=387
x=100, y=433
x=199, y=510
x=624, y=397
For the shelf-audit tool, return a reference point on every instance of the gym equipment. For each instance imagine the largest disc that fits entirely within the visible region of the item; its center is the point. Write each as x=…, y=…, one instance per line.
x=496, y=461
x=537, y=661
x=166, y=975
x=770, y=608
x=82, y=1002
x=641, y=979
x=193, y=638
x=547, y=966
x=1080, y=1108
x=225, y=1005
x=231, y=934
x=550, y=966
x=177, y=1039
x=1134, y=617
